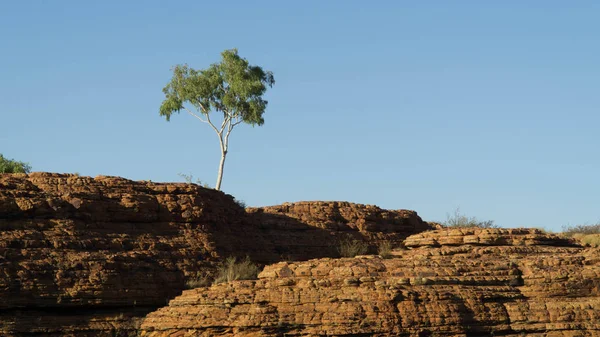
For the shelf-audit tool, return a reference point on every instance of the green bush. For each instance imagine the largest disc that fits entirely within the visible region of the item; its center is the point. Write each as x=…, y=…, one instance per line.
x=232, y=270
x=350, y=247
x=13, y=166
x=460, y=220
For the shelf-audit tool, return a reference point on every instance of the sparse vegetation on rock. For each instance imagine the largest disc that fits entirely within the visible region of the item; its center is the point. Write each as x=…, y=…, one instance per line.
x=240, y=203
x=13, y=166
x=350, y=247
x=582, y=229
x=202, y=279
x=102, y=246
x=460, y=220
x=587, y=234
x=189, y=179
x=385, y=249
x=232, y=269
x=471, y=282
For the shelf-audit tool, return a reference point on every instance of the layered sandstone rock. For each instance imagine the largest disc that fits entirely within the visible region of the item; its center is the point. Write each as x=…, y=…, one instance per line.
x=88, y=256
x=452, y=282
x=307, y=227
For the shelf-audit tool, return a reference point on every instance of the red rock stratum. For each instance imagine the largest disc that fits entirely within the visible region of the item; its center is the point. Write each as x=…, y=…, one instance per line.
x=451, y=282
x=83, y=256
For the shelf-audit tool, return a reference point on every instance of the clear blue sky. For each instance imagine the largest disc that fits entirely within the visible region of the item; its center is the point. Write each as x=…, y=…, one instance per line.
x=426, y=105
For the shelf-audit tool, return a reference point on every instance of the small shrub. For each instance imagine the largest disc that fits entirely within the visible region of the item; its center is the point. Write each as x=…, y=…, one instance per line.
x=13, y=166
x=197, y=283
x=587, y=234
x=232, y=270
x=460, y=220
x=581, y=229
x=189, y=179
x=385, y=249
x=201, y=280
x=240, y=203
x=350, y=247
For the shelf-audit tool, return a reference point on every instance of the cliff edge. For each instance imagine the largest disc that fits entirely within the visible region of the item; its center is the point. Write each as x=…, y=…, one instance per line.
x=86, y=256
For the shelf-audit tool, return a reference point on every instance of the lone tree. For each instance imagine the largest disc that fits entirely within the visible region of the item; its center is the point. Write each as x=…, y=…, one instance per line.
x=231, y=87
x=13, y=166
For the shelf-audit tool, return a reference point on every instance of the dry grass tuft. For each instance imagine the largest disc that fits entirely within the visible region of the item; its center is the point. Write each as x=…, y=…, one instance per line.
x=581, y=229
x=460, y=220
x=587, y=234
x=350, y=247
x=385, y=249
x=588, y=239
x=232, y=270
x=202, y=279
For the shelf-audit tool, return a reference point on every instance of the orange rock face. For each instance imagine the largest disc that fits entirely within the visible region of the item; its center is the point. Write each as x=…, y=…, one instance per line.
x=451, y=282
x=87, y=256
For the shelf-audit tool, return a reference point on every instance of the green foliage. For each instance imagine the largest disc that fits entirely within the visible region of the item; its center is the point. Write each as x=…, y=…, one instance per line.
x=232, y=270
x=233, y=89
x=461, y=220
x=349, y=247
x=13, y=166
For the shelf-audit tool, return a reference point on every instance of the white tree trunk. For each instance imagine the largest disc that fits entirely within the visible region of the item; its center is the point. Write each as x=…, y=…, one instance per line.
x=220, y=175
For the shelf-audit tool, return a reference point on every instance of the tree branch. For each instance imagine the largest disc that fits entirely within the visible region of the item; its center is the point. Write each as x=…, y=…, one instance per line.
x=225, y=120
x=229, y=128
x=213, y=126
x=193, y=114
x=203, y=108
x=238, y=122
x=207, y=121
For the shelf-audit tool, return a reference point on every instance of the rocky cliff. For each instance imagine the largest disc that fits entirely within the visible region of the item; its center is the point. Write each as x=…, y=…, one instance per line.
x=450, y=282
x=83, y=256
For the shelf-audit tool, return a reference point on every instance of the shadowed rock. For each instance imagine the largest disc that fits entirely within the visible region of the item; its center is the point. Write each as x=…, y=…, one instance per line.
x=91, y=256
x=452, y=282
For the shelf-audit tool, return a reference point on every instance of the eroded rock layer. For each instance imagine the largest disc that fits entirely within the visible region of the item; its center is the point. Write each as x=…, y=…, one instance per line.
x=452, y=282
x=307, y=227
x=89, y=256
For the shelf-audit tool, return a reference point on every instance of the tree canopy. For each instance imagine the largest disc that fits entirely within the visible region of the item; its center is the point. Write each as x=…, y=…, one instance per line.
x=13, y=166
x=232, y=89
